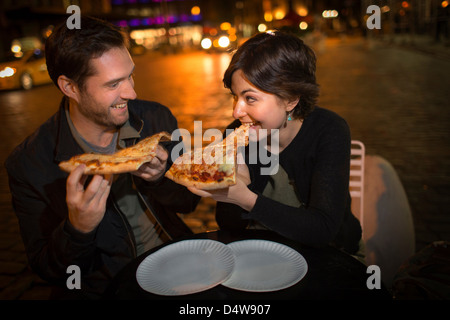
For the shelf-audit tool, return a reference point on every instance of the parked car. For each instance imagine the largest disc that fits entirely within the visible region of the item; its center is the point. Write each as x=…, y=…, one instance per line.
x=24, y=72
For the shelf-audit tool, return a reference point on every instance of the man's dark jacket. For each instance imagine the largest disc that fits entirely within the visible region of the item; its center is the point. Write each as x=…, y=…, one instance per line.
x=38, y=189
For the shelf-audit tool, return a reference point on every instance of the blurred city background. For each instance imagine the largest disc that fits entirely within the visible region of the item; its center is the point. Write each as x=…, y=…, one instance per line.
x=174, y=25
x=391, y=85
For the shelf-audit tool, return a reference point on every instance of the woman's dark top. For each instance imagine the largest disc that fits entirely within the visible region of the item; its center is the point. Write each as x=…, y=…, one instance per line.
x=317, y=164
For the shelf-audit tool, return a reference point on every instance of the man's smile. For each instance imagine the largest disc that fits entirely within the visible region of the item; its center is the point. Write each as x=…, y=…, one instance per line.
x=119, y=106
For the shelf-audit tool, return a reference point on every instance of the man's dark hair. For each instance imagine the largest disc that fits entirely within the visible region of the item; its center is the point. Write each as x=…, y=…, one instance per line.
x=69, y=51
x=281, y=64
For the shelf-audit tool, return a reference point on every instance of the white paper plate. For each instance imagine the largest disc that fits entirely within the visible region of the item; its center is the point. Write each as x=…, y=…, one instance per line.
x=186, y=267
x=262, y=266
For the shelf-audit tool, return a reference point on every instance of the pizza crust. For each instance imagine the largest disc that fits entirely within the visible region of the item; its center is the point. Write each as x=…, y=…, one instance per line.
x=208, y=185
x=104, y=164
x=126, y=160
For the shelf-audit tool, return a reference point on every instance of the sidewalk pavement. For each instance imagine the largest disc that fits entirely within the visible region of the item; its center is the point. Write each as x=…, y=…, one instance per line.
x=423, y=43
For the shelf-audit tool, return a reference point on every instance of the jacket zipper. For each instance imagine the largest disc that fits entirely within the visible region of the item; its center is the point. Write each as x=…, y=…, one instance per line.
x=147, y=205
x=129, y=232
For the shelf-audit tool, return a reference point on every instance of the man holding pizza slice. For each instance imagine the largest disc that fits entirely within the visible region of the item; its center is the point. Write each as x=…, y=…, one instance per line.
x=91, y=214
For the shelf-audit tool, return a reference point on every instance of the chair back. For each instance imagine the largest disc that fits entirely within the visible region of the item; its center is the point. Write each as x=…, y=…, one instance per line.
x=357, y=159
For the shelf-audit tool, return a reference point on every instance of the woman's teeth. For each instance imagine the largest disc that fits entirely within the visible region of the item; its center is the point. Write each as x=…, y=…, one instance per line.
x=119, y=106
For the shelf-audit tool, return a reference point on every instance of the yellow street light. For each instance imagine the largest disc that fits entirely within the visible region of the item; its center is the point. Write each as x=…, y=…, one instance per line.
x=195, y=11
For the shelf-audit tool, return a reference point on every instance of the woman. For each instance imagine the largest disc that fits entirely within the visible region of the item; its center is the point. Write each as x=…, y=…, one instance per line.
x=272, y=79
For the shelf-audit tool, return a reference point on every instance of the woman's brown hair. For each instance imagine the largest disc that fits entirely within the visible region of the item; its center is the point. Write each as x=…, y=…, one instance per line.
x=280, y=64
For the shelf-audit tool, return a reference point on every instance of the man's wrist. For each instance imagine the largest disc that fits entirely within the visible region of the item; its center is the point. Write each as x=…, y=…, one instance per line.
x=77, y=234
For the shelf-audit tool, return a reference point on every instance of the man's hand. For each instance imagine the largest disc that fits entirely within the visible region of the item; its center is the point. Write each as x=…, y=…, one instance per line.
x=87, y=206
x=155, y=169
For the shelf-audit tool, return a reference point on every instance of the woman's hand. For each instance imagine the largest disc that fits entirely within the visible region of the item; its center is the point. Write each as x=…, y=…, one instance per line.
x=238, y=194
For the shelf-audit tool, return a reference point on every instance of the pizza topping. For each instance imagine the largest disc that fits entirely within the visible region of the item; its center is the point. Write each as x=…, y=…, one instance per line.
x=226, y=168
x=93, y=162
x=219, y=176
x=211, y=167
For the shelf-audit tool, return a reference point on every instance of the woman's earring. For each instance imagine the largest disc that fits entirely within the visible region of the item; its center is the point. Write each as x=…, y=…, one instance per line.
x=289, y=116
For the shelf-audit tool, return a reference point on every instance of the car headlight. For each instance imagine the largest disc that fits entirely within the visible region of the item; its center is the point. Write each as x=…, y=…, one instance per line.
x=224, y=41
x=7, y=72
x=206, y=43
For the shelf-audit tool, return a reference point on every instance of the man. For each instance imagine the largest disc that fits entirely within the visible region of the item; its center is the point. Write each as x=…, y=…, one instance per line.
x=97, y=223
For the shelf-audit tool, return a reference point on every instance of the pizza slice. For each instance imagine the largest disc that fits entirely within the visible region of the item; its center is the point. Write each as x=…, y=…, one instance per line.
x=125, y=160
x=212, y=167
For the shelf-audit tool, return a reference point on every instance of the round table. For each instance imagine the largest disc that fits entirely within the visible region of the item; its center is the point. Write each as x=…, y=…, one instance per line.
x=332, y=274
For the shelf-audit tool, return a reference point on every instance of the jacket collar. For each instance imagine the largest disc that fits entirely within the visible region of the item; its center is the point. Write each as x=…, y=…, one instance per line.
x=66, y=145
